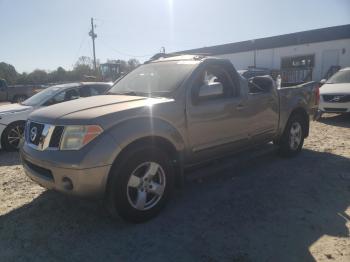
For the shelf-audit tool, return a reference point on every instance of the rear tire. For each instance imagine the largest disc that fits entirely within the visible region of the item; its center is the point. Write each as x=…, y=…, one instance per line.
x=140, y=184
x=19, y=99
x=12, y=136
x=293, y=136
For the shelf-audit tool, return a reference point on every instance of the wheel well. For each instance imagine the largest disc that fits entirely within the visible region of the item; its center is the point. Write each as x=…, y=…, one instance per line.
x=302, y=112
x=15, y=122
x=159, y=142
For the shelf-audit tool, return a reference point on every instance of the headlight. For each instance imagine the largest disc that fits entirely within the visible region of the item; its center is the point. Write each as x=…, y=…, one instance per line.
x=75, y=137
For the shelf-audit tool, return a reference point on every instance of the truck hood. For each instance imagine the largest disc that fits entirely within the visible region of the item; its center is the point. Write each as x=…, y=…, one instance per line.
x=343, y=88
x=89, y=108
x=13, y=108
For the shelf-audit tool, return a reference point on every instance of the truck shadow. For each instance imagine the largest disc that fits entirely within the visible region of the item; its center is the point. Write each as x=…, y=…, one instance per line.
x=262, y=209
x=9, y=158
x=336, y=120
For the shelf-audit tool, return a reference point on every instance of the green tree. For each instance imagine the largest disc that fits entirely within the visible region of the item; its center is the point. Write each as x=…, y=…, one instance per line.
x=37, y=77
x=82, y=71
x=82, y=68
x=22, y=79
x=57, y=76
x=8, y=72
x=133, y=63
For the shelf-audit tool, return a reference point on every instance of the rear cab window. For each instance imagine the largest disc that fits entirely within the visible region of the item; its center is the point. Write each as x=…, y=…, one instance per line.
x=260, y=85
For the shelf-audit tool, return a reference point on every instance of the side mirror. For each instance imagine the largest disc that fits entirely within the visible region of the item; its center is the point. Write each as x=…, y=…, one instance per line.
x=323, y=81
x=212, y=89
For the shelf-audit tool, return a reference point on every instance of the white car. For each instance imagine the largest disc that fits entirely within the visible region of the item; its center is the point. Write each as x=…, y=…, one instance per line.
x=335, y=93
x=13, y=116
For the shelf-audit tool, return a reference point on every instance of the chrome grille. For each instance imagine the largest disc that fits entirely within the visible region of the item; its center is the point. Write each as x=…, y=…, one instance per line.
x=35, y=131
x=336, y=98
x=38, y=135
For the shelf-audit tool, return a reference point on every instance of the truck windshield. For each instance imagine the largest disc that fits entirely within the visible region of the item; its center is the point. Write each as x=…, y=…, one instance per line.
x=340, y=77
x=159, y=79
x=41, y=97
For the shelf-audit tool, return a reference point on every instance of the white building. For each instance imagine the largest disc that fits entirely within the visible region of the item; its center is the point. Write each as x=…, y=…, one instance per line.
x=315, y=51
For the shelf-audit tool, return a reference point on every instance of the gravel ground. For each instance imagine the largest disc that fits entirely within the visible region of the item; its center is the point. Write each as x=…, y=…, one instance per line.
x=256, y=207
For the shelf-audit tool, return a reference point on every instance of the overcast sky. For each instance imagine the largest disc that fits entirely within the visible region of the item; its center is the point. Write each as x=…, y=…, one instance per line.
x=46, y=34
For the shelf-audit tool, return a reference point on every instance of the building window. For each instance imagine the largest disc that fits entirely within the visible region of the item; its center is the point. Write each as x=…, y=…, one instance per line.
x=305, y=61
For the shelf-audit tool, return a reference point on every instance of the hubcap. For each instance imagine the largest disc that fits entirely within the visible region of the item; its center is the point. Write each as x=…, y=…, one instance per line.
x=146, y=186
x=15, y=135
x=295, y=136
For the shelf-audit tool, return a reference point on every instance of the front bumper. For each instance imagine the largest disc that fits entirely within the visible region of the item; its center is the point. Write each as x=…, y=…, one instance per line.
x=325, y=107
x=89, y=182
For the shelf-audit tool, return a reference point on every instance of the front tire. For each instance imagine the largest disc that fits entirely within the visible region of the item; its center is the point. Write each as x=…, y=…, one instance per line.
x=12, y=136
x=141, y=183
x=293, y=136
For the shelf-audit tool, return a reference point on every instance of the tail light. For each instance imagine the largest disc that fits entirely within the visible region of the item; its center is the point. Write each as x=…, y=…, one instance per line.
x=317, y=95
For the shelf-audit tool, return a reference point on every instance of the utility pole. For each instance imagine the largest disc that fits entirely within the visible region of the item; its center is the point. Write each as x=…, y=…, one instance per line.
x=93, y=36
x=254, y=46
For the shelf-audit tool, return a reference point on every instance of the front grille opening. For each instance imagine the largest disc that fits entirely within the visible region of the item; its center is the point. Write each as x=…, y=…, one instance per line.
x=56, y=137
x=43, y=172
x=336, y=98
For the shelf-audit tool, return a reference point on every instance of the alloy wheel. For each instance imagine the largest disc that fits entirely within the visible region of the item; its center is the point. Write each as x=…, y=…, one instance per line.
x=14, y=136
x=146, y=186
x=295, y=135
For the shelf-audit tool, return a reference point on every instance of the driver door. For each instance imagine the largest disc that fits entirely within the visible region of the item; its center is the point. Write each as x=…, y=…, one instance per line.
x=215, y=114
x=264, y=106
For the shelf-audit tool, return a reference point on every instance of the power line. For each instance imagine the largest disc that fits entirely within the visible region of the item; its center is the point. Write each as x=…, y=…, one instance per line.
x=82, y=42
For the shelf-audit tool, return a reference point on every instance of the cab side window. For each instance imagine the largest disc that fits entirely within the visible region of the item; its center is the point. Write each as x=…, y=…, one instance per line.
x=99, y=89
x=93, y=90
x=84, y=91
x=63, y=96
x=212, y=83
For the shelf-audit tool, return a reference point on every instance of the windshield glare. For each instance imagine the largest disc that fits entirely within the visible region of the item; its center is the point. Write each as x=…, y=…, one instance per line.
x=41, y=97
x=340, y=77
x=155, y=78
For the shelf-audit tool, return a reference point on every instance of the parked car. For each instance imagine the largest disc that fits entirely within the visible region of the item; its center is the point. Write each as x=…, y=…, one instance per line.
x=13, y=116
x=132, y=145
x=16, y=93
x=335, y=93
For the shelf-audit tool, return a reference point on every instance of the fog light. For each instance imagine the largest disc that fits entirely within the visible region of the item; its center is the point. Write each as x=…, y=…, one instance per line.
x=67, y=183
